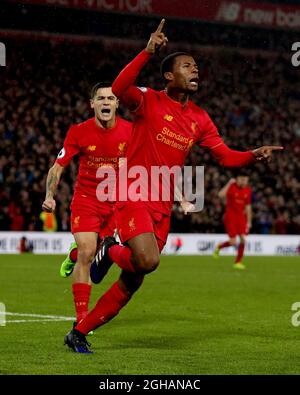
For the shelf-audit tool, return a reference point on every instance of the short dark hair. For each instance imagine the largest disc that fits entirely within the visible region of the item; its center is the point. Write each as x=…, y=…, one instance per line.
x=241, y=173
x=168, y=62
x=99, y=85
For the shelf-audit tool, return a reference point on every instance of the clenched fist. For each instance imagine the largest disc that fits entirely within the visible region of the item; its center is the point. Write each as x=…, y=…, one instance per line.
x=49, y=205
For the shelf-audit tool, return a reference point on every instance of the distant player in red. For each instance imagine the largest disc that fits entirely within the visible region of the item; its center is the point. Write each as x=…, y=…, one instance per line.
x=238, y=215
x=100, y=142
x=166, y=125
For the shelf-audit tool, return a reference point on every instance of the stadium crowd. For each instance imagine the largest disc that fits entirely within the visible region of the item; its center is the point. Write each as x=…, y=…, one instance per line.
x=253, y=99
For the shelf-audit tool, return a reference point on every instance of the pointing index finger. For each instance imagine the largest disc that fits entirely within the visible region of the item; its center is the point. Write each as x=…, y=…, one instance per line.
x=160, y=26
x=275, y=147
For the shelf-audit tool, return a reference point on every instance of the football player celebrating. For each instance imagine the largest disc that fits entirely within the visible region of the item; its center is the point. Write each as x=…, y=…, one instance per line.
x=166, y=125
x=100, y=142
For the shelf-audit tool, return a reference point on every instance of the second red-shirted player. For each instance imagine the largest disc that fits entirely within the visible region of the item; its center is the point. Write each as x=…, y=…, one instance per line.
x=99, y=142
x=238, y=215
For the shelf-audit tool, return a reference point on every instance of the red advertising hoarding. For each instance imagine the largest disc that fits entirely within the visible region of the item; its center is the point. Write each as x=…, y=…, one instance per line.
x=232, y=12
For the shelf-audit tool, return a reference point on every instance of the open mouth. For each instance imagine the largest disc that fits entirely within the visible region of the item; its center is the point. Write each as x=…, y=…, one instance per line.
x=105, y=111
x=194, y=81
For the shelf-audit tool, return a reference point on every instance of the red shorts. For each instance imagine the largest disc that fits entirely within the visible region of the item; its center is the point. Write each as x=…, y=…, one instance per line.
x=235, y=225
x=90, y=215
x=135, y=218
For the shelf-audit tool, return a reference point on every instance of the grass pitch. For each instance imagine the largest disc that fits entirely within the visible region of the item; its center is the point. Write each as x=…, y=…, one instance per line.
x=193, y=315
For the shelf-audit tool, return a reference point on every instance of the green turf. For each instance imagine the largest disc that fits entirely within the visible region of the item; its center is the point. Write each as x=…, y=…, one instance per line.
x=194, y=315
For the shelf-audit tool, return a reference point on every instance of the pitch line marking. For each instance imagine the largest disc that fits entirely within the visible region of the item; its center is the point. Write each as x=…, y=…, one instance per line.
x=43, y=317
x=37, y=315
x=48, y=320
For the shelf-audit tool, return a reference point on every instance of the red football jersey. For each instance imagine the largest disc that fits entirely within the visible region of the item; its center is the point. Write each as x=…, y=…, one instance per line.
x=236, y=200
x=97, y=147
x=163, y=133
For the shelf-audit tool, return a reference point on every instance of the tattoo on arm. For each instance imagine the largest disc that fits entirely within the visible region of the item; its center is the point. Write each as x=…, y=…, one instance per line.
x=52, y=183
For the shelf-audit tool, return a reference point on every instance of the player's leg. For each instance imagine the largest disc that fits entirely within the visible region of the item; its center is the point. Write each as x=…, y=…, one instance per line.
x=107, y=225
x=231, y=242
x=107, y=232
x=107, y=229
x=85, y=224
x=86, y=249
x=74, y=339
x=136, y=227
x=140, y=254
x=68, y=264
x=87, y=244
x=109, y=305
x=241, y=248
x=232, y=231
x=230, y=228
x=145, y=252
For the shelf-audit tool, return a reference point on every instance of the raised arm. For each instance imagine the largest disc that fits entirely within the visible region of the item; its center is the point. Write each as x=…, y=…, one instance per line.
x=223, y=192
x=124, y=85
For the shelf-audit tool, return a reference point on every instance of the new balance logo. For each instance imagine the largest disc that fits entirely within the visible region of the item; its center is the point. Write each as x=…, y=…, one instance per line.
x=91, y=148
x=168, y=118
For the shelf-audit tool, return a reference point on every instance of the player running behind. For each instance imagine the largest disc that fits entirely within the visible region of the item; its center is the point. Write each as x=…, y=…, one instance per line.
x=238, y=215
x=100, y=142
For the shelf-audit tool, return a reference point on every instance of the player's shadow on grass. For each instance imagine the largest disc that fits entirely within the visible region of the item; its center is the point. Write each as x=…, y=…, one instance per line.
x=159, y=342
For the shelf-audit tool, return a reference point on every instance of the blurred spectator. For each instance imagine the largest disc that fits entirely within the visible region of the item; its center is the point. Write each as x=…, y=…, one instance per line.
x=16, y=216
x=5, y=220
x=264, y=223
x=176, y=244
x=25, y=245
x=282, y=222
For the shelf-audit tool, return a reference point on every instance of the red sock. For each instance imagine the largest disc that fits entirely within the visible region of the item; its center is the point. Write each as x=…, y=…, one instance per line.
x=224, y=245
x=121, y=256
x=74, y=255
x=240, y=252
x=81, y=294
x=107, y=307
